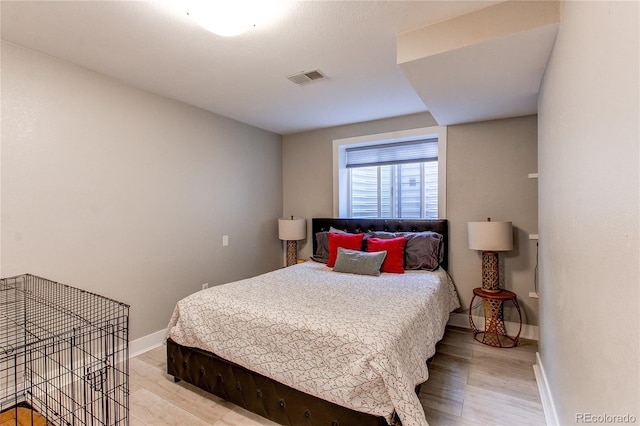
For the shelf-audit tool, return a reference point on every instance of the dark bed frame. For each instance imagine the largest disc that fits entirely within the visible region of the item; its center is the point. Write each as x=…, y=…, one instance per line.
x=267, y=397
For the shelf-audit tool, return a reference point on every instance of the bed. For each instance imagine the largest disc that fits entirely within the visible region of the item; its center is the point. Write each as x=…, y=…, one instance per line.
x=308, y=345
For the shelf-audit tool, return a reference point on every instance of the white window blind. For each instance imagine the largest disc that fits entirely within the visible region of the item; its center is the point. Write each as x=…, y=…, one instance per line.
x=398, y=180
x=393, y=153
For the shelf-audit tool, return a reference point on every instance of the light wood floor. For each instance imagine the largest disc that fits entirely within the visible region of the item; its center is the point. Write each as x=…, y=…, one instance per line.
x=469, y=384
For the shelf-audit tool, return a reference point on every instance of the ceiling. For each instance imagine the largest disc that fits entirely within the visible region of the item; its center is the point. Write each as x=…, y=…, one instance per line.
x=153, y=47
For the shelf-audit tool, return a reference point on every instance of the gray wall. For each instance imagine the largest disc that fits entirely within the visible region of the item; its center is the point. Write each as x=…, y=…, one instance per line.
x=589, y=190
x=488, y=166
x=307, y=161
x=128, y=194
x=487, y=175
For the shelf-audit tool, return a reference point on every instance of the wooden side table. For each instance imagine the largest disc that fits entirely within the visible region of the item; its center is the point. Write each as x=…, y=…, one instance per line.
x=495, y=333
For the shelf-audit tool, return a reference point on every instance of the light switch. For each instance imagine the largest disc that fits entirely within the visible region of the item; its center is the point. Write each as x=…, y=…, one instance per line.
x=225, y=240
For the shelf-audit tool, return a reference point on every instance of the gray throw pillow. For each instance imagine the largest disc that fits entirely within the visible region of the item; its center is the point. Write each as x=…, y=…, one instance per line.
x=322, y=244
x=322, y=247
x=424, y=250
x=359, y=262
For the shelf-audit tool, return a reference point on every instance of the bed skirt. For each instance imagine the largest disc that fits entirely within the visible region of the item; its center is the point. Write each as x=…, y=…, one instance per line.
x=256, y=393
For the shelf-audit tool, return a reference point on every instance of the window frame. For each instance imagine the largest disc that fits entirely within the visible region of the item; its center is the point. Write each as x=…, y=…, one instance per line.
x=340, y=173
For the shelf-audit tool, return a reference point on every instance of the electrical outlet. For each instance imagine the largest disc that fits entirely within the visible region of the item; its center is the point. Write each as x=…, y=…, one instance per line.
x=205, y=286
x=225, y=240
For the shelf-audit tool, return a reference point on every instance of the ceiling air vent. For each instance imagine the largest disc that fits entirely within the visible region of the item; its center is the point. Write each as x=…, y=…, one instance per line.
x=306, y=77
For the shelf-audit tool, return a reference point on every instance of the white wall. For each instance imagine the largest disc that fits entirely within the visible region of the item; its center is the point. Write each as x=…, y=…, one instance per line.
x=589, y=212
x=128, y=194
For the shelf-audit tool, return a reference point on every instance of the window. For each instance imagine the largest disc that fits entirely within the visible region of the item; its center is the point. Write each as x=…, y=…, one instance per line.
x=393, y=180
x=399, y=177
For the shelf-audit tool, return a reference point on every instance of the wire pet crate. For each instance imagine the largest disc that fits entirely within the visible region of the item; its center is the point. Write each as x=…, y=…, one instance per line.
x=64, y=355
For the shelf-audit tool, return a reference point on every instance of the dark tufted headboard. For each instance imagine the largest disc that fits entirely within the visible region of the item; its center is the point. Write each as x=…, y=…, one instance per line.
x=441, y=226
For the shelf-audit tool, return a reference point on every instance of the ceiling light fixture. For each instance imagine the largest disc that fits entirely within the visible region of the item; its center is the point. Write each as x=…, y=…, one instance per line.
x=230, y=18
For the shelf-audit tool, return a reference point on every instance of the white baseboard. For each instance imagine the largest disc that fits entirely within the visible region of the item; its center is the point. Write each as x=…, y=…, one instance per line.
x=528, y=331
x=549, y=408
x=146, y=343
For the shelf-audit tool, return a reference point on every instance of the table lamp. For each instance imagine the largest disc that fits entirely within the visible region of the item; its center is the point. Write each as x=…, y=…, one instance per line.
x=491, y=238
x=292, y=230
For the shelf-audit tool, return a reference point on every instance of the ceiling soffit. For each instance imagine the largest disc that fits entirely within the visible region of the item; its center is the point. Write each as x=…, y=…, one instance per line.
x=483, y=65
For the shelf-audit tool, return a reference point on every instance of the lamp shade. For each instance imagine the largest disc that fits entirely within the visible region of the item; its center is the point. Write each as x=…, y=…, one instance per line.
x=490, y=236
x=292, y=229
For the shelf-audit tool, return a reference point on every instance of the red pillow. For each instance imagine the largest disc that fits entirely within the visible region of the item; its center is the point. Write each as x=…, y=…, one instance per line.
x=348, y=241
x=394, y=262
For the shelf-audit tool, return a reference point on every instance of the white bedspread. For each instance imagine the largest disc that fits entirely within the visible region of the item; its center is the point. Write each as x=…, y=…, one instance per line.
x=357, y=341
